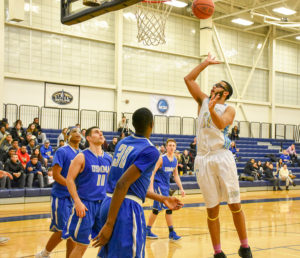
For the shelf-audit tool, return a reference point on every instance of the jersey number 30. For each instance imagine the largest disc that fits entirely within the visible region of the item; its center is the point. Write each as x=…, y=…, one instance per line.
x=121, y=156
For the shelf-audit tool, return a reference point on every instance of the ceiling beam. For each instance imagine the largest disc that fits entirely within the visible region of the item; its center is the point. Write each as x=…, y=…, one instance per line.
x=288, y=35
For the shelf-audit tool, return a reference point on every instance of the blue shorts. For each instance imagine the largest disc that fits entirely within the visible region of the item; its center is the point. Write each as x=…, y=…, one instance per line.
x=129, y=234
x=82, y=230
x=60, y=212
x=161, y=190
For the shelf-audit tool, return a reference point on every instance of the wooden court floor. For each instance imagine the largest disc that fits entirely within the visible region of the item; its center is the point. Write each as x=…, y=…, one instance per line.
x=273, y=221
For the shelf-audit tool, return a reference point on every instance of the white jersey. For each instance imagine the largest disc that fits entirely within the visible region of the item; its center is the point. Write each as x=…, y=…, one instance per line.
x=209, y=136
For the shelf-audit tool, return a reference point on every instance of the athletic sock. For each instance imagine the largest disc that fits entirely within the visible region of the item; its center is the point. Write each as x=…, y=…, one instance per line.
x=45, y=253
x=171, y=229
x=217, y=249
x=244, y=243
x=149, y=228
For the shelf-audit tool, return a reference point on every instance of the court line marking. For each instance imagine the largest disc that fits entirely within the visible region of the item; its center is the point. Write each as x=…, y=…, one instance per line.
x=188, y=205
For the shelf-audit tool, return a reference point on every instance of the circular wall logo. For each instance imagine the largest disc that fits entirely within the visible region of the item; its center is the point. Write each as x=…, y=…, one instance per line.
x=62, y=97
x=162, y=106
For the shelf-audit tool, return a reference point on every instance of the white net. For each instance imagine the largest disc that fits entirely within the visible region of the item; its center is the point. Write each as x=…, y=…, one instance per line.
x=151, y=22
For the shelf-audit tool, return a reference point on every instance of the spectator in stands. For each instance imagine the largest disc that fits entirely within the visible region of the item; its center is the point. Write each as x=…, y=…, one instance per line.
x=293, y=154
x=2, y=131
x=33, y=130
x=47, y=152
x=269, y=176
x=83, y=140
x=193, y=146
x=23, y=156
x=63, y=136
x=235, y=151
x=36, y=151
x=179, y=162
x=285, y=157
x=15, y=144
x=284, y=176
x=61, y=144
x=279, y=165
x=5, y=176
x=34, y=171
x=15, y=168
x=41, y=136
x=251, y=169
x=121, y=137
x=50, y=179
x=235, y=133
x=29, y=137
x=78, y=126
x=266, y=165
x=6, y=142
x=162, y=149
x=122, y=124
x=260, y=169
x=112, y=145
x=7, y=128
x=11, y=151
x=30, y=147
x=186, y=162
x=17, y=132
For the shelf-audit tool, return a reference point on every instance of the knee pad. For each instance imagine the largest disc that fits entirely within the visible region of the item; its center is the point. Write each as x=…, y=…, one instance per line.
x=155, y=211
x=169, y=211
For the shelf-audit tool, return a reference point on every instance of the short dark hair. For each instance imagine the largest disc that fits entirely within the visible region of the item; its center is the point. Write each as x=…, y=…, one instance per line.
x=89, y=131
x=15, y=140
x=34, y=157
x=142, y=118
x=229, y=89
x=61, y=140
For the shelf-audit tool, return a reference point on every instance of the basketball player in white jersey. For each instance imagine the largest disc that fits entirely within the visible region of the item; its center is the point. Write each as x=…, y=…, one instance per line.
x=214, y=164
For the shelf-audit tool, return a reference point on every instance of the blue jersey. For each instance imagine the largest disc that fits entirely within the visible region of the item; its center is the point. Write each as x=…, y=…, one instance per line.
x=91, y=182
x=63, y=157
x=163, y=174
x=135, y=150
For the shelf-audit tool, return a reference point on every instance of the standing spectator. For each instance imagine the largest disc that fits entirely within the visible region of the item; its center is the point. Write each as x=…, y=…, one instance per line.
x=5, y=176
x=15, y=168
x=34, y=170
x=235, y=133
x=284, y=176
x=269, y=176
x=285, y=157
x=123, y=125
x=112, y=145
x=17, y=132
x=63, y=136
x=193, y=146
x=234, y=150
x=186, y=162
x=23, y=156
x=33, y=130
x=47, y=152
x=31, y=145
x=293, y=154
x=41, y=136
x=6, y=142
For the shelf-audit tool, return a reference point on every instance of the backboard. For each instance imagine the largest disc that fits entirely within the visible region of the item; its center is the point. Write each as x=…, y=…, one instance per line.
x=73, y=11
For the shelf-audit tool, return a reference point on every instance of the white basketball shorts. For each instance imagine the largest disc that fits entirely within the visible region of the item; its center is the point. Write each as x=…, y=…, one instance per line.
x=217, y=177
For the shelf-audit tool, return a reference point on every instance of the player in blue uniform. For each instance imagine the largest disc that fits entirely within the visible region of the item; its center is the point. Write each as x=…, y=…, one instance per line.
x=165, y=167
x=61, y=203
x=124, y=229
x=86, y=182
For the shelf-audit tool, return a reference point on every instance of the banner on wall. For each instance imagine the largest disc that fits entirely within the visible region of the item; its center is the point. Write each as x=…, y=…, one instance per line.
x=162, y=105
x=61, y=96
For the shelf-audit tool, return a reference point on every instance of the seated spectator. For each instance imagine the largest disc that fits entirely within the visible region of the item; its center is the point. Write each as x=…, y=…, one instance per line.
x=50, y=179
x=34, y=171
x=235, y=133
x=193, y=146
x=23, y=156
x=41, y=136
x=284, y=175
x=31, y=145
x=266, y=165
x=15, y=168
x=29, y=137
x=293, y=154
x=4, y=177
x=112, y=145
x=105, y=145
x=269, y=176
x=162, y=149
x=179, y=162
x=186, y=162
x=122, y=136
x=47, y=152
x=17, y=132
x=83, y=140
x=2, y=131
x=260, y=169
x=279, y=165
x=8, y=154
x=234, y=150
x=285, y=157
x=33, y=130
x=7, y=128
x=6, y=142
x=15, y=145
x=251, y=169
x=61, y=144
x=63, y=136
x=36, y=152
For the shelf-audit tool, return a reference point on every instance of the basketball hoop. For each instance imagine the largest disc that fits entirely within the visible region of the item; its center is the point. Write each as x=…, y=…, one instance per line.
x=151, y=21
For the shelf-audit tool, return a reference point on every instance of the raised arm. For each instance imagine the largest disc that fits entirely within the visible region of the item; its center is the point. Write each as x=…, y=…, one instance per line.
x=190, y=79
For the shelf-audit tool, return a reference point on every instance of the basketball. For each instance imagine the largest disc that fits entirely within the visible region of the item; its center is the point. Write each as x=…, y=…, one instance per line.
x=203, y=9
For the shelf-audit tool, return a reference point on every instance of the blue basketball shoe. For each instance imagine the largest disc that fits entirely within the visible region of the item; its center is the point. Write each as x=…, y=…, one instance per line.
x=173, y=236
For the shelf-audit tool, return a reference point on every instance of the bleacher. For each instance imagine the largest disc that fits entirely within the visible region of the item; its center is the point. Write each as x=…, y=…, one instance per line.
x=256, y=148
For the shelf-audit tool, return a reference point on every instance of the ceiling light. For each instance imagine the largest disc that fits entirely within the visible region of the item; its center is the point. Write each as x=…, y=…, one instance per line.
x=176, y=3
x=298, y=37
x=259, y=46
x=284, y=11
x=242, y=22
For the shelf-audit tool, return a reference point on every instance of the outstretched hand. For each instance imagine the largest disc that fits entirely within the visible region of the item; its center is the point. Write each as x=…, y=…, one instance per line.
x=213, y=101
x=173, y=203
x=211, y=59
